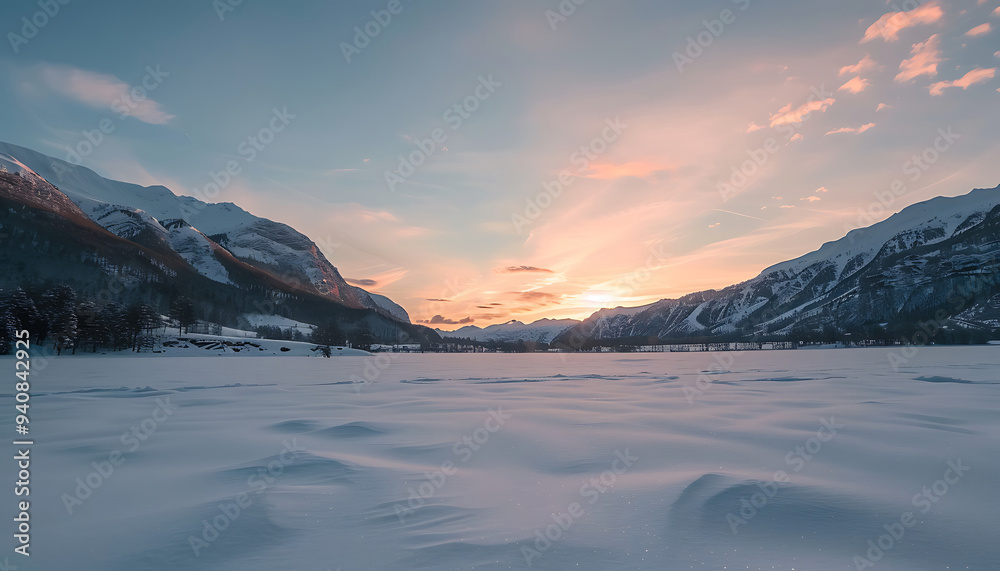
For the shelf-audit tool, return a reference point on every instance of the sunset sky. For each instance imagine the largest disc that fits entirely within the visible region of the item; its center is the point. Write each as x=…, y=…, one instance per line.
x=828, y=101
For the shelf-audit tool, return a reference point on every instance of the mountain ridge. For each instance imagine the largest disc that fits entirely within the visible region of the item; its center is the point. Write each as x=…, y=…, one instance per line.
x=866, y=278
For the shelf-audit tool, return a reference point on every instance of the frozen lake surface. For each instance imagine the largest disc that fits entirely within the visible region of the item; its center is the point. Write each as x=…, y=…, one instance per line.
x=787, y=460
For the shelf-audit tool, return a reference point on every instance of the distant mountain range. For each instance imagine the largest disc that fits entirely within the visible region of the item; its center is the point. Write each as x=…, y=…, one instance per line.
x=66, y=224
x=111, y=240
x=542, y=331
x=936, y=260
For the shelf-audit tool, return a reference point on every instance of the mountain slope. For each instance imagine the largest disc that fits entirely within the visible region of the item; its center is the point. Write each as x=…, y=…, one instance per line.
x=140, y=214
x=542, y=331
x=905, y=267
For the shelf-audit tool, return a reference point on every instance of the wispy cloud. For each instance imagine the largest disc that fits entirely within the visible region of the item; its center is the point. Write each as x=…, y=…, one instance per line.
x=638, y=169
x=926, y=57
x=975, y=76
x=786, y=115
x=882, y=106
x=102, y=91
x=891, y=24
x=518, y=269
x=856, y=130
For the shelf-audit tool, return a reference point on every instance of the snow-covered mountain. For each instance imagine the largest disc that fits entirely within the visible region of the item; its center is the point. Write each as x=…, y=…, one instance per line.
x=906, y=267
x=155, y=217
x=542, y=331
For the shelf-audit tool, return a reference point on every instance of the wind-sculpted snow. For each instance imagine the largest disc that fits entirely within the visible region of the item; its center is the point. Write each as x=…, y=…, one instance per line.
x=759, y=460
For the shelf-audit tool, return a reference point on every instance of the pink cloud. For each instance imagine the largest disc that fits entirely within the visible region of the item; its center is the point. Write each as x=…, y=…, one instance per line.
x=856, y=85
x=889, y=25
x=639, y=169
x=103, y=91
x=882, y=106
x=753, y=127
x=975, y=76
x=926, y=57
x=786, y=115
x=980, y=30
x=866, y=64
x=856, y=130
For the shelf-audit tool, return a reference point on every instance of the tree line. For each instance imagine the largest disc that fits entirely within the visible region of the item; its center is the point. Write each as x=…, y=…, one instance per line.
x=58, y=316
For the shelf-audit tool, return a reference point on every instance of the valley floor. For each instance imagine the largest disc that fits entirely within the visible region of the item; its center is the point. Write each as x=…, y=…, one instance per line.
x=758, y=460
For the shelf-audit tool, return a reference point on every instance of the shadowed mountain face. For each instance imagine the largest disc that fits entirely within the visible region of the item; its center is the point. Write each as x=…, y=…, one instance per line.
x=937, y=260
x=106, y=236
x=133, y=211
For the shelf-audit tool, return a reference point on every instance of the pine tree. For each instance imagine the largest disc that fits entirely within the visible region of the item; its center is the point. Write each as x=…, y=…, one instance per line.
x=140, y=319
x=58, y=309
x=182, y=309
x=92, y=328
x=25, y=313
x=112, y=318
x=8, y=329
x=328, y=334
x=362, y=338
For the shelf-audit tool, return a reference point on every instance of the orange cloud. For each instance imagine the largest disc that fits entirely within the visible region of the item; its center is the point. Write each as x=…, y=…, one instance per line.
x=882, y=106
x=926, y=57
x=980, y=30
x=856, y=85
x=518, y=269
x=753, y=127
x=786, y=115
x=973, y=77
x=856, y=130
x=638, y=169
x=866, y=64
x=889, y=25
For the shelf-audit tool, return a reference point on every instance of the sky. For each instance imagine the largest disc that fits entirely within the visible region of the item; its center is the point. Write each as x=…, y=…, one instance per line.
x=480, y=162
